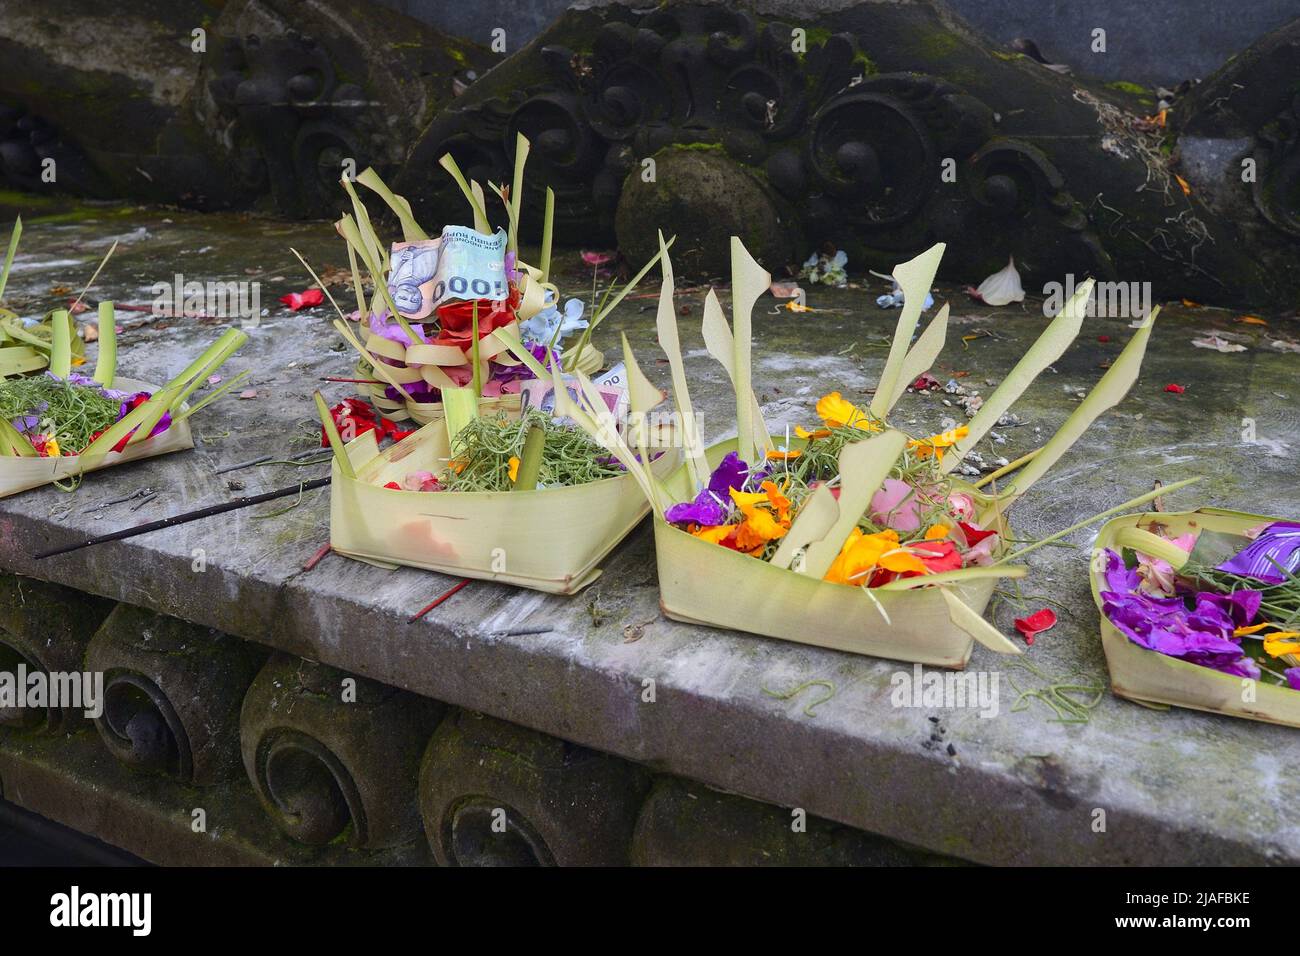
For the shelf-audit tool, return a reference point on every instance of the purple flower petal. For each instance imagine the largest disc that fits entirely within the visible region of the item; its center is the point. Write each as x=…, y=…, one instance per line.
x=712, y=505
x=1119, y=578
x=1279, y=542
x=1292, y=675
x=730, y=473
x=1202, y=635
x=1240, y=606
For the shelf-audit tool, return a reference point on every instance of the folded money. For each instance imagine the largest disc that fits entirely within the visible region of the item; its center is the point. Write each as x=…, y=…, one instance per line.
x=461, y=264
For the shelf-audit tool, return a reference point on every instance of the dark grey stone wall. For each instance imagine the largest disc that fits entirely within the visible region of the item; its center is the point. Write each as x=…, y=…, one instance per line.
x=1152, y=42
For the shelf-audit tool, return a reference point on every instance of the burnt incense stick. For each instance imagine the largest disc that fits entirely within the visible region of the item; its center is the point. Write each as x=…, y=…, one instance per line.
x=187, y=517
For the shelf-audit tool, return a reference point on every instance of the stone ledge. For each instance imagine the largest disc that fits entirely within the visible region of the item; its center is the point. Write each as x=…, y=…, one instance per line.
x=1177, y=787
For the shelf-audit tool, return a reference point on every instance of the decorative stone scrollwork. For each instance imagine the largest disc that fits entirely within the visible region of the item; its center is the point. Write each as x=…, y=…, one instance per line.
x=292, y=118
x=171, y=694
x=496, y=794
x=27, y=142
x=45, y=627
x=795, y=145
x=1276, y=190
x=331, y=755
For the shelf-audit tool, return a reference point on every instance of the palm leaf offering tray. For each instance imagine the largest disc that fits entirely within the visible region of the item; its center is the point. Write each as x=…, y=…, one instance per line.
x=58, y=424
x=428, y=327
x=464, y=338
x=552, y=504
x=25, y=347
x=848, y=535
x=1201, y=609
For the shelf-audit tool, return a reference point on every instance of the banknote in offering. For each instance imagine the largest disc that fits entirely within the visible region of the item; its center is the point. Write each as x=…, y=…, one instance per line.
x=461, y=264
x=540, y=394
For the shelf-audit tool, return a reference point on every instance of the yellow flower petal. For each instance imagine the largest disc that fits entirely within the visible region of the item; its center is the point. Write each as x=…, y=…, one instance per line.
x=807, y=435
x=900, y=559
x=777, y=500
x=715, y=533
x=836, y=410
x=937, y=531
x=757, y=529
x=935, y=444
x=783, y=455
x=1283, y=642
x=747, y=501
x=514, y=468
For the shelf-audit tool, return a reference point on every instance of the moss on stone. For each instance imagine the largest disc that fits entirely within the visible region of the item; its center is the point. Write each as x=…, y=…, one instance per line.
x=1124, y=86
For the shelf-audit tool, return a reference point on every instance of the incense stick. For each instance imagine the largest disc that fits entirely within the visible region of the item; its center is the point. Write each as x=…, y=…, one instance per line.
x=187, y=517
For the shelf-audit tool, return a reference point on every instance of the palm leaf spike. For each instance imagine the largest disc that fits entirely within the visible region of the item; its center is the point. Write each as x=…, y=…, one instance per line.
x=643, y=396
x=363, y=311
x=14, y=235
x=921, y=358
x=474, y=350
x=411, y=231
x=520, y=351
x=608, y=425
x=333, y=437
x=94, y=275
x=106, y=364
x=225, y=388
x=378, y=251
x=815, y=519
x=1107, y=393
x=590, y=414
x=522, y=147
x=352, y=234
x=530, y=459
x=748, y=282
x=666, y=325
x=914, y=277
x=608, y=305
x=548, y=234
x=323, y=287
x=964, y=616
x=61, y=323
x=448, y=163
x=720, y=344
x=1047, y=348
x=194, y=377
x=13, y=443
x=481, y=223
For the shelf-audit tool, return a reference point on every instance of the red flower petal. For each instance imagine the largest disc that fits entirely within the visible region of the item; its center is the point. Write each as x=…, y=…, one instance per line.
x=1035, y=624
x=937, y=556
x=303, y=300
x=1176, y=389
x=394, y=485
x=973, y=534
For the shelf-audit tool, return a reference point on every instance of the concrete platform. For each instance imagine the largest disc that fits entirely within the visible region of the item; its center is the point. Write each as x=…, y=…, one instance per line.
x=1176, y=787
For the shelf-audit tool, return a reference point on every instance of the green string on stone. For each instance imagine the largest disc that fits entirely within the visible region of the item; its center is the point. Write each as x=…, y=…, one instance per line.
x=796, y=691
x=1055, y=695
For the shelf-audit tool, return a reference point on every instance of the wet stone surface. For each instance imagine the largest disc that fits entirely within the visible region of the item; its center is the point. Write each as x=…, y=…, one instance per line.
x=1176, y=786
